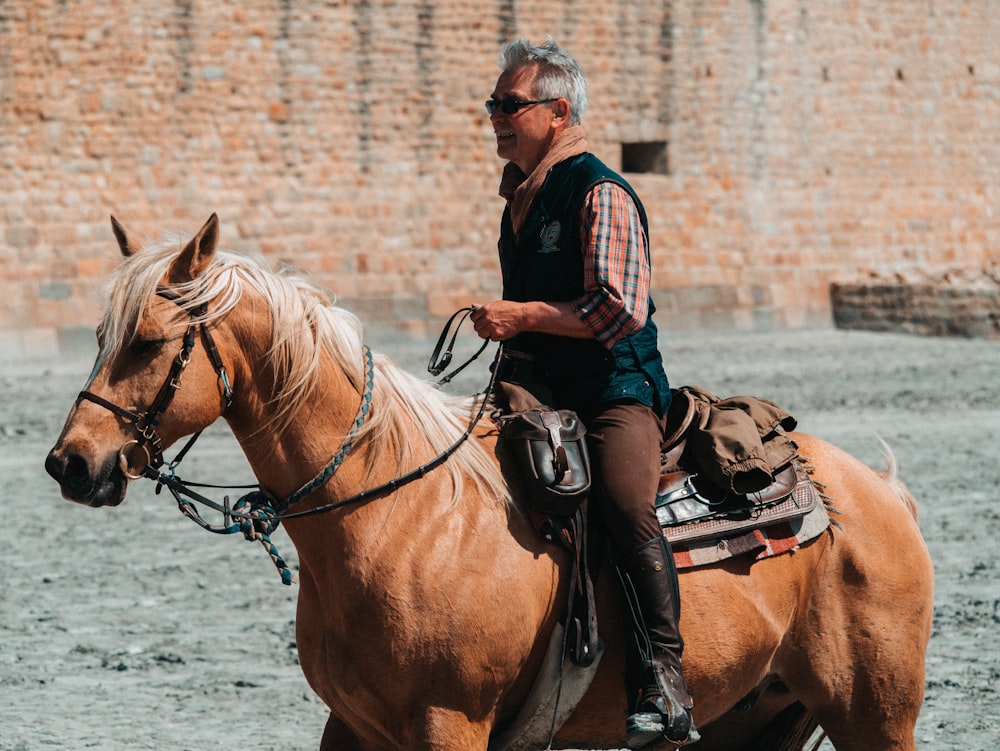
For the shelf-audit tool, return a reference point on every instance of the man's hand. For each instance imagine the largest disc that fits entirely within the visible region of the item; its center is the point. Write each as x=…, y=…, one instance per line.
x=504, y=319
x=498, y=320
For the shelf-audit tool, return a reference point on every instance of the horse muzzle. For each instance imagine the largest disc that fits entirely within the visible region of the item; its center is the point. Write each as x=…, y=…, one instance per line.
x=81, y=481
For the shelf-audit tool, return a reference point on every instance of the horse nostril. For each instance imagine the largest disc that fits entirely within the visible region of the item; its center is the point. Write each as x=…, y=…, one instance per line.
x=70, y=471
x=53, y=465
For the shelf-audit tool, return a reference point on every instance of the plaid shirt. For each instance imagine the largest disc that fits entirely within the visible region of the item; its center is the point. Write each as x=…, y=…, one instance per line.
x=615, y=303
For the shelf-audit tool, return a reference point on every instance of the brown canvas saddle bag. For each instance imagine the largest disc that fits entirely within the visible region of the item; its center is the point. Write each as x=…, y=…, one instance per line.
x=727, y=466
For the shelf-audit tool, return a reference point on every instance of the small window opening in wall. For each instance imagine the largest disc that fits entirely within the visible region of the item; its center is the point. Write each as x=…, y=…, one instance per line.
x=645, y=156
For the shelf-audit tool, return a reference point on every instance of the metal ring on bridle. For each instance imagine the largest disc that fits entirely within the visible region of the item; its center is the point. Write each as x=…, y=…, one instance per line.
x=123, y=462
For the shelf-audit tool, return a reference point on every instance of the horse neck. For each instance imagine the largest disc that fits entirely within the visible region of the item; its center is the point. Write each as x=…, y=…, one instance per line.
x=368, y=546
x=284, y=460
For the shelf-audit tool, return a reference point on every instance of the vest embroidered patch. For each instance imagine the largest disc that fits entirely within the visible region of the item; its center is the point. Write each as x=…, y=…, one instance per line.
x=550, y=236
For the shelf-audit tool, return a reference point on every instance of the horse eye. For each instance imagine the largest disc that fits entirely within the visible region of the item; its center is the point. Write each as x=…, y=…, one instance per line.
x=145, y=347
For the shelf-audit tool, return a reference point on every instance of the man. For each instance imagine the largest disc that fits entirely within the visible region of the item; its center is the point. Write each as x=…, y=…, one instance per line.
x=575, y=319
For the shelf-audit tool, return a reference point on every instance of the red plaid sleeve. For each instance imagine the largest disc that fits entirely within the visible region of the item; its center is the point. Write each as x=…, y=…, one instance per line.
x=615, y=303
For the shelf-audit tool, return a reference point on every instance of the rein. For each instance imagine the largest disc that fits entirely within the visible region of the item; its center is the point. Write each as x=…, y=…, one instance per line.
x=258, y=513
x=441, y=360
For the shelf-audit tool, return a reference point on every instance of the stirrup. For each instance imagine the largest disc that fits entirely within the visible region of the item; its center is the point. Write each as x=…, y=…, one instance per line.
x=660, y=715
x=644, y=728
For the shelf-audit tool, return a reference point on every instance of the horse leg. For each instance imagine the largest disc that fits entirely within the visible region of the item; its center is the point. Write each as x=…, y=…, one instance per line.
x=855, y=656
x=866, y=720
x=443, y=730
x=877, y=676
x=867, y=687
x=451, y=730
x=338, y=737
x=857, y=730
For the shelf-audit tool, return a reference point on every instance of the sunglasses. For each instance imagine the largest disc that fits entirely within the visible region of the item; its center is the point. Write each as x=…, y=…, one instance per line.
x=510, y=105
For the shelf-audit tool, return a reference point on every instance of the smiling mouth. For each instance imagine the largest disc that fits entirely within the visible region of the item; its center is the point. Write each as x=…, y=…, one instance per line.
x=501, y=135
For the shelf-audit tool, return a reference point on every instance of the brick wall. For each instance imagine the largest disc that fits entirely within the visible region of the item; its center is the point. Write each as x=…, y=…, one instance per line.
x=805, y=142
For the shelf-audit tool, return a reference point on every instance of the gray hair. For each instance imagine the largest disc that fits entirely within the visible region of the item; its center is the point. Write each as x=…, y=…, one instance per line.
x=559, y=75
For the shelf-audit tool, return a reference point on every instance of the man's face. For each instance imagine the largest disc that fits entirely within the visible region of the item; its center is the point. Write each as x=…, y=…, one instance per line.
x=525, y=136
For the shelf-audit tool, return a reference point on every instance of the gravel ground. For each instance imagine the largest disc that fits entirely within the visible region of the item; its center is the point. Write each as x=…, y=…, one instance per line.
x=130, y=628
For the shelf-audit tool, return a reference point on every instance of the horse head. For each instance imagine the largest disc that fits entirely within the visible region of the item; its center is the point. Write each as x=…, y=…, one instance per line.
x=160, y=353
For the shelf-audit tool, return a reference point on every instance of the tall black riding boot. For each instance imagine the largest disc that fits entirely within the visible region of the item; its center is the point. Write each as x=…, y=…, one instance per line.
x=659, y=702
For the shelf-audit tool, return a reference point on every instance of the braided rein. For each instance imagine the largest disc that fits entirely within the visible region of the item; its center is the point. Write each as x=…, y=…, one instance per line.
x=258, y=513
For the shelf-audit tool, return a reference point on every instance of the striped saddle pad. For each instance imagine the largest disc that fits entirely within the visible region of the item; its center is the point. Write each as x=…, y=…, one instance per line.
x=705, y=525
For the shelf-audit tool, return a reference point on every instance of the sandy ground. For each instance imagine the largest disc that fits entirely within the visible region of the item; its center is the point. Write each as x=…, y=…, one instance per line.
x=131, y=628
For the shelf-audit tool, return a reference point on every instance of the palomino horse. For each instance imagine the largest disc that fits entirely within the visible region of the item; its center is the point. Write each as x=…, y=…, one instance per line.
x=425, y=610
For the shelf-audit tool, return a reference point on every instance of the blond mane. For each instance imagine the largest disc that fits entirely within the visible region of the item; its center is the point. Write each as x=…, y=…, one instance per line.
x=306, y=324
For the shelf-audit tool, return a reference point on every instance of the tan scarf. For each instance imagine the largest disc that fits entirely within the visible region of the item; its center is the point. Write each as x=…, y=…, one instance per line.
x=520, y=189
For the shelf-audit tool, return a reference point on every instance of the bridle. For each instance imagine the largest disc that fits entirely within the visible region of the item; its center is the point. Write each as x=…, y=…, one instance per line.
x=258, y=513
x=145, y=423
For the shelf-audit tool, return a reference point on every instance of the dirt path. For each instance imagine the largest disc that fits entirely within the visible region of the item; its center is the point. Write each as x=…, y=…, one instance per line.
x=131, y=629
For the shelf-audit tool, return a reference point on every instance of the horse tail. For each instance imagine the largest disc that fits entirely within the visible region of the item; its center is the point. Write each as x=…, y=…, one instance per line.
x=891, y=476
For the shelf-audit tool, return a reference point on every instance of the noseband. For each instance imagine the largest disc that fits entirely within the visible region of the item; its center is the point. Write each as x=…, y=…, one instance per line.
x=145, y=422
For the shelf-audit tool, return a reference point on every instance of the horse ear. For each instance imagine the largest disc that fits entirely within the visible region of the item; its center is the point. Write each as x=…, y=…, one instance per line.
x=196, y=254
x=126, y=244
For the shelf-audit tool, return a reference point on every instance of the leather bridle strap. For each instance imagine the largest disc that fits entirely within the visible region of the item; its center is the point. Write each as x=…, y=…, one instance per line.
x=146, y=422
x=206, y=337
x=258, y=513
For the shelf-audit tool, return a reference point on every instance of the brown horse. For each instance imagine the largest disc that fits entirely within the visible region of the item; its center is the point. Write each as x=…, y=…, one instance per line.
x=424, y=612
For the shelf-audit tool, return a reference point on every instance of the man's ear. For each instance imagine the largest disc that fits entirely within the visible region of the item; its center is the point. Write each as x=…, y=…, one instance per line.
x=560, y=108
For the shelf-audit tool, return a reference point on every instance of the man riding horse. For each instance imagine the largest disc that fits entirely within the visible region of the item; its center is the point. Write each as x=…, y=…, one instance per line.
x=576, y=319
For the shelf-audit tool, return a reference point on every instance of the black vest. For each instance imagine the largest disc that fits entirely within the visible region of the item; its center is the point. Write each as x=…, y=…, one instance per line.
x=545, y=262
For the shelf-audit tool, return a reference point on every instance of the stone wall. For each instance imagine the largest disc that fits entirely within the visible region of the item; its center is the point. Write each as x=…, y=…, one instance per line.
x=779, y=145
x=955, y=304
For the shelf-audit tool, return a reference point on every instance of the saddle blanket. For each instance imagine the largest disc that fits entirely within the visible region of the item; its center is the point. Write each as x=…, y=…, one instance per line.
x=764, y=542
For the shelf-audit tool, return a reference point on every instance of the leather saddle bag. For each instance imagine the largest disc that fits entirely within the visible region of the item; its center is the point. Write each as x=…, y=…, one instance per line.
x=551, y=452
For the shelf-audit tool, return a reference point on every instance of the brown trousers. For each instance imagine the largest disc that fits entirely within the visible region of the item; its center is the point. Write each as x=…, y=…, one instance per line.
x=624, y=444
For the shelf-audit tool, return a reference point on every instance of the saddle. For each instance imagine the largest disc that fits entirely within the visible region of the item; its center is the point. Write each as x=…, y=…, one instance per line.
x=691, y=509
x=727, y=465
x=766, y=483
